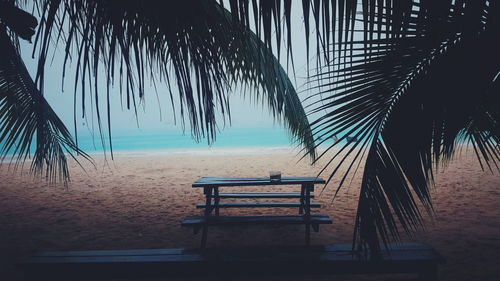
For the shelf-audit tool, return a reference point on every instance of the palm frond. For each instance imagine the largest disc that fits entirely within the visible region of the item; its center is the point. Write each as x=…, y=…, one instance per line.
x=197, y=44
x=333, y=22
x=413, y=87
x=27, y=120
x=19, y=22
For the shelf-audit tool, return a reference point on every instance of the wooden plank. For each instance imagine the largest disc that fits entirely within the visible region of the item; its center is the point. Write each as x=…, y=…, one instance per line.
x=261, y=195
x=254, y=181
x=242, y=220
x=218, y=262
x=393, y=247
x=316, y=254
x=260, y=205
x=250, y=180
x=117, y=258
x=141, y=252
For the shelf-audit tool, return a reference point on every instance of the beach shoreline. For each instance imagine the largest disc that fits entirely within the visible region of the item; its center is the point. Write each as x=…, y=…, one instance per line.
x=237, y=150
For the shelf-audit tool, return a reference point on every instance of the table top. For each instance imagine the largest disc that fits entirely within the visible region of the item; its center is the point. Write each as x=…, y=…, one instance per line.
x=249, y=181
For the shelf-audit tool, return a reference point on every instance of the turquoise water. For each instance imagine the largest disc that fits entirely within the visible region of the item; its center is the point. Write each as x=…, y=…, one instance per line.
x=176, y=139
x=167, y=139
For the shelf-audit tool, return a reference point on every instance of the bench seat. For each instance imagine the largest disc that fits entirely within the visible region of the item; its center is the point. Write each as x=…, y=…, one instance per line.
x=259, y=205
x=261, y=195
x=195, y=221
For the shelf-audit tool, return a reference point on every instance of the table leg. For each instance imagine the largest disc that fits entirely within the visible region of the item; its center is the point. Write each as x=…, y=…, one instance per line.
x=216, y=200
x=302, y=201
x=307, y=215
x=208, y=199
x=208, y=208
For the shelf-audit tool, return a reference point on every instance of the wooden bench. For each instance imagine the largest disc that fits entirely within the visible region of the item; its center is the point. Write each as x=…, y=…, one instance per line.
x=229, y=263
x=259, y=205
x=197, y=222
x=265, y=195
x=213, y=197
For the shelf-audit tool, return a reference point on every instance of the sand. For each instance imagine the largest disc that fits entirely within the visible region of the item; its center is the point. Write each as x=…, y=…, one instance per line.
x=138, y=201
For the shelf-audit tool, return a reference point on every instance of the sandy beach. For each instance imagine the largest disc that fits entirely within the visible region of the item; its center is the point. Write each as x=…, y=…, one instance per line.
x=138, y=201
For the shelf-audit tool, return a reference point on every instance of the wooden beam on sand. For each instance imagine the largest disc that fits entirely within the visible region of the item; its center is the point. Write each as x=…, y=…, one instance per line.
x=229, y=262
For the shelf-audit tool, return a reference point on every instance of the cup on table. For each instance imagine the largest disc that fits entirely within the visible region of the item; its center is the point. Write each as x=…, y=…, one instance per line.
x=275, y=175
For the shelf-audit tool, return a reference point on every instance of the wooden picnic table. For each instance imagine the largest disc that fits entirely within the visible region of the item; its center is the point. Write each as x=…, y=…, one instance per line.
x=213, y=196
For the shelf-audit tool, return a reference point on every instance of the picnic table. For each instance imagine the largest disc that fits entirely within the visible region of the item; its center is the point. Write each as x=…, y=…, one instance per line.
x=213, y=197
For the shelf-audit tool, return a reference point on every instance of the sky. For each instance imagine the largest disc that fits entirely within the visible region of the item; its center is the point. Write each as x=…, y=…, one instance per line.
x=156, y=112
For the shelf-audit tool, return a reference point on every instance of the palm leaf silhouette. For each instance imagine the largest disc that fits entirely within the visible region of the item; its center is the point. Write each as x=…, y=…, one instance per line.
x=408, y=79
x=412, y=94
x=27, y=118
x=197, y=44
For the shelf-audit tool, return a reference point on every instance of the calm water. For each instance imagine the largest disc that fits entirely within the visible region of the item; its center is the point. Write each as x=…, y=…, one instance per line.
x=167, y=139
x=176, y=139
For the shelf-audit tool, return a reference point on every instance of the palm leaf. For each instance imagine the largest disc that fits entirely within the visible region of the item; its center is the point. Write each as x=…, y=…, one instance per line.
x=27, y=119
x=425, y=80
x=197, y=44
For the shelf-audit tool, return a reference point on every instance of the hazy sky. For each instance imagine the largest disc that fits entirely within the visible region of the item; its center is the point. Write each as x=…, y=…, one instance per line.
x=156, y=112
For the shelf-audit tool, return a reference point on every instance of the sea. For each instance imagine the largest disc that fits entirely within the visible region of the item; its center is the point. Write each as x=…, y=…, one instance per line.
x=176, y=140
x=230, y=140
